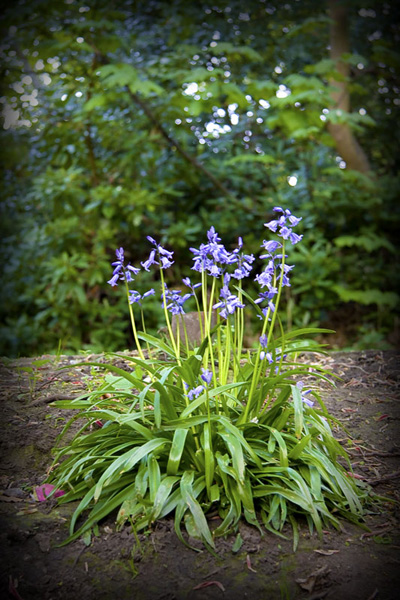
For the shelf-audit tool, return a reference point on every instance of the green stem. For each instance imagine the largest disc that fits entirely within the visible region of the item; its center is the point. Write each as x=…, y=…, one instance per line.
x=133, y=324
x=207, y=324
x=257, y=371
x=144, y=331
x=278, y=297
x=171, y=335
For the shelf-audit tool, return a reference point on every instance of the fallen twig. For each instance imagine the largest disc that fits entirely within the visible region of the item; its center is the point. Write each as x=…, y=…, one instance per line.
x=385, y=527
x=12, y=588
x=388, y=477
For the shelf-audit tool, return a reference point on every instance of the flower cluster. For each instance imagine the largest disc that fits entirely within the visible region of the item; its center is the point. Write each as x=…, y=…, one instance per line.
x=175, y=300
x=136, y=297
x=228, y=301
x=121, y=271
x=268, y=278
x=164, y=256
x=206, y=376
x=281, y=223
x=214, y=257
x=264, y=353
x=124, y=272
x=244, y=262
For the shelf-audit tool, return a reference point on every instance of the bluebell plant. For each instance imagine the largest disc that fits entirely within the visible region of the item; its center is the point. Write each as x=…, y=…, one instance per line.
x=244, y=431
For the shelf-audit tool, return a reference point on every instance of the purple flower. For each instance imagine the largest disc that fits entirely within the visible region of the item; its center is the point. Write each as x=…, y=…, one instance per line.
x=263, y=353
x=114, y=280
x=206, y=375
x=150, y=261
x=164, y=255
x=244, y=261
x=165, y=262
x=136, y=297
x=229, y=302
x=285, y=232
x=300, y=386
x=121, y=271
x=42, y=492
x=175, y=300
x=210, y=257
x=195, y=393
x=294, y=238
x=271, y=246
x=188, y=283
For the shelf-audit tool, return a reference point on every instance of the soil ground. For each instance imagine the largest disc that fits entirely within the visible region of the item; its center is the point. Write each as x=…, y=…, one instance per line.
x=352, y=564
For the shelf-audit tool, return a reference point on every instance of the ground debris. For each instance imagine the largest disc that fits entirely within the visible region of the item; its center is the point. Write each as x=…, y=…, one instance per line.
x=316, y=577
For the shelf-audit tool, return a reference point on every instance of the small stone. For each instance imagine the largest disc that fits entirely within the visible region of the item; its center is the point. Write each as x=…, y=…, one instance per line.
x=191, y=322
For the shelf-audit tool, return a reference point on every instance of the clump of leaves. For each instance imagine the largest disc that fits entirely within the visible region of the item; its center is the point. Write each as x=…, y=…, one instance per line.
x=214, y=427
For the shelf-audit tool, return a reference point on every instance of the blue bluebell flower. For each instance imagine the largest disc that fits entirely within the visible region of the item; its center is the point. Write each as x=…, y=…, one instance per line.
x=285, y=232
x=300, y=386
x=206, y=375
x=121, y=271
x=244, y=261
x=164, y=255
x=195, y=392
x=150, y=261
x=136, y=297
x=213, y=256
x=229, y=302
x=189, y=284
x=175, y=301
x=264, y=353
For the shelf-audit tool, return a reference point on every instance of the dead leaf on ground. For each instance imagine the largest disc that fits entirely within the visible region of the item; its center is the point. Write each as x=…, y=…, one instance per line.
x=326, y=552
x=248, y=562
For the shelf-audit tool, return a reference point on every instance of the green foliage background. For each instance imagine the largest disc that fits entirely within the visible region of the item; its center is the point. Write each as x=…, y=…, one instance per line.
x=107, y=148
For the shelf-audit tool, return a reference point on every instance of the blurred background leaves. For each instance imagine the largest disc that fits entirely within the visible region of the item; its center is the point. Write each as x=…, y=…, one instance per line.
x=127, y=119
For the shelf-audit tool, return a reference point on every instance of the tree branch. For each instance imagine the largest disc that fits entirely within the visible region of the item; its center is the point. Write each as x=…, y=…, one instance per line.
x=102, y=59
x=174, y=144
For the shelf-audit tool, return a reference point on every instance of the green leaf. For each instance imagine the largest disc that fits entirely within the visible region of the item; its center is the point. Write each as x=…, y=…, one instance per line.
x=154, y=477
x=195, y=508
x=162, y=495
x=366, y=297
x=119, y=74
x=297, y=450
x=95, y=102
x=176, y=451
x=298, y=411
x=266, y=159
x=126, y=462
x=237, y=544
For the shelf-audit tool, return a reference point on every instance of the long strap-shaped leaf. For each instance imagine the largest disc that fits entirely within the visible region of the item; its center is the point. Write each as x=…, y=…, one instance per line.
x=176, y=450
x=157, y=343
x=186, y=486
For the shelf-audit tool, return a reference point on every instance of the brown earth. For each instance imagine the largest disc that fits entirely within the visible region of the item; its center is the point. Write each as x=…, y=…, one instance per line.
x=354, y=564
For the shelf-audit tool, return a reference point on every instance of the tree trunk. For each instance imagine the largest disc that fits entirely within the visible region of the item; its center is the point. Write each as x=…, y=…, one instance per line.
x=346, y=143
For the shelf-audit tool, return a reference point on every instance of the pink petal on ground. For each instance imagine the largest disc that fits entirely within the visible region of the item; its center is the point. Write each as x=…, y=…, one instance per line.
x=42, y=492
